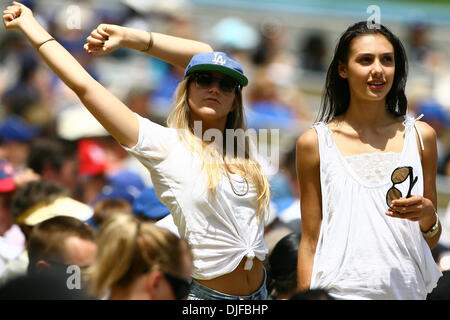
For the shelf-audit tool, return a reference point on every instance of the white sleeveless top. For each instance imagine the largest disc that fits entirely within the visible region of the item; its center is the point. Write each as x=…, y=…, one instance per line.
x=361, y=252
x=222, y=229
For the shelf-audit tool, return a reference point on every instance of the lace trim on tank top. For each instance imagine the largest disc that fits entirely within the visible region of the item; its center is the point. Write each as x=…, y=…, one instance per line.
x=374, y=167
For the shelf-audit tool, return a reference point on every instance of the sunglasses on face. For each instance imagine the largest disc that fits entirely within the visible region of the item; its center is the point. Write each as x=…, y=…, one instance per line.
x=398, y=176
x=180, y=287
x=206, y=80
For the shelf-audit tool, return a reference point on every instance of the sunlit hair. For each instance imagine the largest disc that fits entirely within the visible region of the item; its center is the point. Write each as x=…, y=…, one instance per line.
x=216, y=163
x=128, y=248
x=105, y=208
x=336, y=98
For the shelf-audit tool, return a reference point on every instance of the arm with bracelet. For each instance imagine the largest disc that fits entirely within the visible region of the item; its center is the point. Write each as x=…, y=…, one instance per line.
x=114, y=116
x=177, y=51
x=423, y=208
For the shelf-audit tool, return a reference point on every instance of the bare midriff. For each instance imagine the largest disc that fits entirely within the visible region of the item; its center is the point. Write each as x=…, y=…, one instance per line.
x=239, y=282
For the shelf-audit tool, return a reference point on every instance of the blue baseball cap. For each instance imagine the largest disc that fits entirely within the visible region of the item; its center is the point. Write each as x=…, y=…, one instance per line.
x=148, y=204
x=16, y=129
x=126, y=185
x=219, y=62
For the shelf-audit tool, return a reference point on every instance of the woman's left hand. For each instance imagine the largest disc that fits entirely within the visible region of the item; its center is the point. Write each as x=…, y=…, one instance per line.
x=104, y=39
x=414, y=208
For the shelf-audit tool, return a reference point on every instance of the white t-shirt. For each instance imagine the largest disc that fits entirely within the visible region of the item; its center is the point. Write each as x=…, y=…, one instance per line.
x=221, y=229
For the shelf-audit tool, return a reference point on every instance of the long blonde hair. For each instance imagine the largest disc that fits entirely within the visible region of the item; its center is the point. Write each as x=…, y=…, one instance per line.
x=213, y=160
x=128, y=248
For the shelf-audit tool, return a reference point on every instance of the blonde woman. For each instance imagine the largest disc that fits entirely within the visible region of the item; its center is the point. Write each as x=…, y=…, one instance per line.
x=139, y=261
x=218, y=198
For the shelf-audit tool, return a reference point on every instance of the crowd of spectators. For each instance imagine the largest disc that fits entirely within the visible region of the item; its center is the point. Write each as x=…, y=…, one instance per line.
x=46, y=136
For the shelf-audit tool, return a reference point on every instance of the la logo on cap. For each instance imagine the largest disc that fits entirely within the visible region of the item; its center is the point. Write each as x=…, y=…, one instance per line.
x=218, y=59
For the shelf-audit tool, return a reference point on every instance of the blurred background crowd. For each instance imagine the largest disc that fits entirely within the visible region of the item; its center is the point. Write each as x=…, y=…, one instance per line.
x=284, y=46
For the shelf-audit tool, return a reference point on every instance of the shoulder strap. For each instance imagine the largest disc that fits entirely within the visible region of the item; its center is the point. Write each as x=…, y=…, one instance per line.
x=323, y=132
x=409, y=122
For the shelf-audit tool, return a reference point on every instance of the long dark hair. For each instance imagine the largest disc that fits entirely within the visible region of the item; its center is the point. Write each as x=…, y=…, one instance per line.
x=281, y=266
x=336, y=97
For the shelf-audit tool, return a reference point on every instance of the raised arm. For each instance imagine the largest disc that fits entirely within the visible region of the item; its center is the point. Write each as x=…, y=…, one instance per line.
x=115, y=117
x=177, y=51
x=308, y=173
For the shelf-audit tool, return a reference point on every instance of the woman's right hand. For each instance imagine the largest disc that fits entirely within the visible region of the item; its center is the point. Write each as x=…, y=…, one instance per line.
x=104, y=39
x=15, y=15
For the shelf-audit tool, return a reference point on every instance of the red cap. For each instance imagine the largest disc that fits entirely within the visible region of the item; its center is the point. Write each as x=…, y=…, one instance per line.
x=6, y=177
x=92, y=158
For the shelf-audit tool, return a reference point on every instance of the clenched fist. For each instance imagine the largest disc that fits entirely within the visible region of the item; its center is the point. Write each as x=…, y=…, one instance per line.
x=104, y=39
x=15, y=15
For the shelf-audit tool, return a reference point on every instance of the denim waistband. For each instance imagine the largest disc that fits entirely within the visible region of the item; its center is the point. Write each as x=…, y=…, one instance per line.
x=201, y=292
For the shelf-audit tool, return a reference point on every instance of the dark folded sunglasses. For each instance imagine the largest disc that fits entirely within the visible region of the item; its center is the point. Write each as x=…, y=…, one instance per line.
x=180, y=286
x=398, y=176
x=204, y=80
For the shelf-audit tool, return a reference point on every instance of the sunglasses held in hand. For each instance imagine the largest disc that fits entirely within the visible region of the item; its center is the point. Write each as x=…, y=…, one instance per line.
x=398, y=176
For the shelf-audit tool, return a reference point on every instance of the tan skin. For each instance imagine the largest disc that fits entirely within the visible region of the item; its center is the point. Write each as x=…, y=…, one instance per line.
x=115, y=116
x=365, y=127
x=239, y=281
